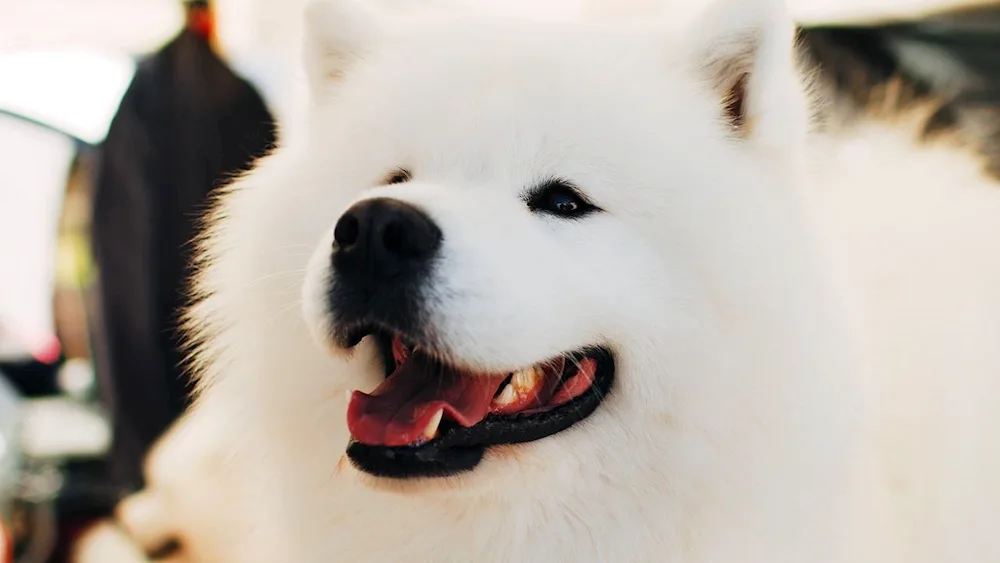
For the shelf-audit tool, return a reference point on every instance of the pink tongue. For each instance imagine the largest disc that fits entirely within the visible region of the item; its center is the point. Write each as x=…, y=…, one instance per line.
x=398, y=412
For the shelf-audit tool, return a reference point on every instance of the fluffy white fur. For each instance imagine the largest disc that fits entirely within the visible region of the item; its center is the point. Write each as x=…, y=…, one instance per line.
x=805, y=327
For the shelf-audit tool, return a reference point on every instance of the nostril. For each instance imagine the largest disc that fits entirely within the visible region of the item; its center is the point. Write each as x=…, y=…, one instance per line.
x=394, y=239
x=410, y=236
x=384, y=234
x=345, y=233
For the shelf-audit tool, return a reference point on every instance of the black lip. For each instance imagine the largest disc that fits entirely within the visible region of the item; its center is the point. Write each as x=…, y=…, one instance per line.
x=458, y=449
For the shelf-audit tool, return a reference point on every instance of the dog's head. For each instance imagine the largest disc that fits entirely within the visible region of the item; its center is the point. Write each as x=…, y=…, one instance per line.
x=561, y=255
x=531, y=213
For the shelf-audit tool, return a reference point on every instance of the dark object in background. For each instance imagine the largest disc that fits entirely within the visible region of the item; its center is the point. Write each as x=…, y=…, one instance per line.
x=186, y=124
x=32, y=378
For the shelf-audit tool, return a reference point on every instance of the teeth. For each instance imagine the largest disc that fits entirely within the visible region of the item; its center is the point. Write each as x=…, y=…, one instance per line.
x=348, y=394
x=526, y=379
x=432, y=427
x=506, y=397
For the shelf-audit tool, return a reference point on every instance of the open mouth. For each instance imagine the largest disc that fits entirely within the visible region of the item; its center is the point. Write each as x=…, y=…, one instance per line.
x=429, y=418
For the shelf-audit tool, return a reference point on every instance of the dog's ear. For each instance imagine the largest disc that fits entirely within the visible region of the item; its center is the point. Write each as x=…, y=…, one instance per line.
x=337, y=34
x=745, y=49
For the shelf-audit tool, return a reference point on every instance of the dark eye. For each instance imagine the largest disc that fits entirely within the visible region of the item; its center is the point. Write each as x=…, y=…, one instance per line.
x=397, y=176
x=559, y=198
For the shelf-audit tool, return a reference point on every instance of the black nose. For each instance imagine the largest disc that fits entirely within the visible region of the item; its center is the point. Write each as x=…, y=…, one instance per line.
x=382, y=238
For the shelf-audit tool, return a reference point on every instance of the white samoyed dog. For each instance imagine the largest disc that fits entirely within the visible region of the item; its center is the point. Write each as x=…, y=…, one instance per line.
x=573, y=291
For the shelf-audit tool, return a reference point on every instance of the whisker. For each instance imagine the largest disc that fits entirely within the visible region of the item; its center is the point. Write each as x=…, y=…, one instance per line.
x=275, y=275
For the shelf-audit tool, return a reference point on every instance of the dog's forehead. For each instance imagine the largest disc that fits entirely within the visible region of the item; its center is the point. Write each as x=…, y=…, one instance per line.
x=488, y=66
x=527, y=97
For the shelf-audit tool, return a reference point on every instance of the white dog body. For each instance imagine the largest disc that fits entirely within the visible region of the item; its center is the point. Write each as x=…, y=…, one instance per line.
x=804, y=326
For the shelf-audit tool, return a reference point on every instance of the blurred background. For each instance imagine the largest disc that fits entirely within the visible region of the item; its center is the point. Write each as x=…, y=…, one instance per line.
x=118, y=118
x=107, y=107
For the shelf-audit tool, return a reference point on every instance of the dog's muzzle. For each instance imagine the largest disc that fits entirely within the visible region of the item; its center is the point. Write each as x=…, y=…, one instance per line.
x=382, y=258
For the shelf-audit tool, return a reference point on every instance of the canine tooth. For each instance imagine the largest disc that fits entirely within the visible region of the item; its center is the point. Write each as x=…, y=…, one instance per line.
x=432, y=427
x=348, y=394
x=506, y=397
x=526, y=378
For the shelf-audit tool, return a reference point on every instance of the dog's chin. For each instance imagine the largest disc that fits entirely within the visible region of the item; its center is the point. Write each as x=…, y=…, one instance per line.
x=432, y=421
